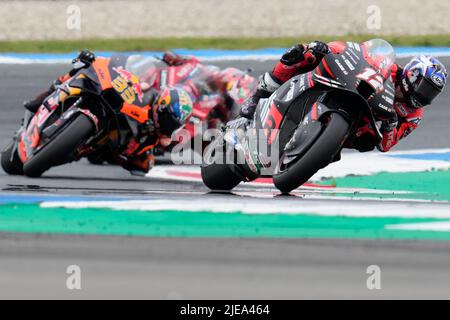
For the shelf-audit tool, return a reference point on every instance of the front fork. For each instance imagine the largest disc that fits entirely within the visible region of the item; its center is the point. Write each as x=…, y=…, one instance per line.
x=310, y=129
x=27, y=137
x=75, y=109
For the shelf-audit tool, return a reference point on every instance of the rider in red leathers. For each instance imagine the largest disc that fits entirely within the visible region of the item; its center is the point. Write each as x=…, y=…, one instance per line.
x=412, y=94
x=208, y=80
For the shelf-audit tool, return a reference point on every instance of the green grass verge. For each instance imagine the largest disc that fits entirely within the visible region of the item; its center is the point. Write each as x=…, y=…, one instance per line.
x=160, y=44
x=429, y=185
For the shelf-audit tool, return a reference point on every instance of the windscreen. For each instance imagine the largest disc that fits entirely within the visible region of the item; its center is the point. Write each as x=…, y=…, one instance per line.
x=142, y=67
x=380, y=54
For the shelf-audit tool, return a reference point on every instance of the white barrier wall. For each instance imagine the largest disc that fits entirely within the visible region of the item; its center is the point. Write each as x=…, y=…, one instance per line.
x=159, y=18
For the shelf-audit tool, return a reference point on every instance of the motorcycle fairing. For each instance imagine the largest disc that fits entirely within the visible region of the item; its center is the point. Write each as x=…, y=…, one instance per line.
x=102, y=68
x=271, y=111
x=30, y=134
x=177, y=74
x=307, y=131
x=350, y=68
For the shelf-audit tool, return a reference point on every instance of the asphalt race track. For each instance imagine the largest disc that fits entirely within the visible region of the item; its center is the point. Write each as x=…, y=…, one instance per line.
x=34, y=265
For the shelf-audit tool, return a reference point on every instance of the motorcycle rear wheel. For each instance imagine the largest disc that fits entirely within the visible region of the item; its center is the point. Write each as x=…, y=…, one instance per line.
x=58, y=149
x=321, y=153
x=218, y=176
x=11, y=162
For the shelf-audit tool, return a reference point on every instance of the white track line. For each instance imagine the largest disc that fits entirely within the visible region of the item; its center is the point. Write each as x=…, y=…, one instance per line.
x=269, y=206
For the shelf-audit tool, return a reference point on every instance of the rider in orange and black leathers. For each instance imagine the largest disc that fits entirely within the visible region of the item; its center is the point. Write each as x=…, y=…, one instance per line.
x=163, y=120
x=408, y=113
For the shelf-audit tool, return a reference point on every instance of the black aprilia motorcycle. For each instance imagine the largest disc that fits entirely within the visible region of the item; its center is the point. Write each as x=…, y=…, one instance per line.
x=305, y=124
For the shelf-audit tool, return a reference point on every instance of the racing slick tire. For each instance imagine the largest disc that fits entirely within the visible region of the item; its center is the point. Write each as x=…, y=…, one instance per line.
x=11, y=162
x=320, y=154
x=62, y=145
x=219, y=177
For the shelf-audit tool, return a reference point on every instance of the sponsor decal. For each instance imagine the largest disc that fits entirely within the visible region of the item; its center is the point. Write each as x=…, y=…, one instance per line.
x=163, y=80
x=42, y=116
x=327, y=81
x=437, y=80
x=132, y=81
x=264, y=109
x=291, y=91
x=353, y=45
x=389, y=92
x=101, y=73
x=272, y=122
x=353, y=54
x=341, y=66
x=382, y=106
x=388, y=140
x=388, y=100
x=302, y=84
x=350, y=56
x=265, y=104
x=184, y=71
x=348, y=63
x=373, y=78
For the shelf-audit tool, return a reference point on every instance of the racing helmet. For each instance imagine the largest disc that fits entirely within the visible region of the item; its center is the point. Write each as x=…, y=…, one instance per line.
x=173, y=107
x=422, y=80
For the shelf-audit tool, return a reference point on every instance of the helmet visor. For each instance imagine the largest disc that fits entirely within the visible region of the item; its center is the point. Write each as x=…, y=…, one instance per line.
x=425, y=92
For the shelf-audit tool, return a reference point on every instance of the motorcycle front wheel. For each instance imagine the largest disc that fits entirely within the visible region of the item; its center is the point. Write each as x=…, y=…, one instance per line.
x=321, y=153
x=62, y=145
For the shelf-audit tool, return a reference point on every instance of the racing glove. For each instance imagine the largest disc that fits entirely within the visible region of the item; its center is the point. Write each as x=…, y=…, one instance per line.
x=390, y=124
x=85, y=56
x=84, y=59
x=319, y=48
x=293, y=55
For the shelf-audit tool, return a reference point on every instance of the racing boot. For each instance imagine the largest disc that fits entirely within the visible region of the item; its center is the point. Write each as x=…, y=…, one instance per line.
x=140, y=165
x=34, y=104
x=266, y=86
